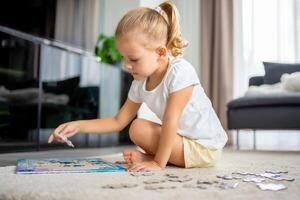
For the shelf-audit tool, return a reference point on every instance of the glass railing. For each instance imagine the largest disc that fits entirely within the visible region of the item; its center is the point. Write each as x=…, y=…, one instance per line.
x=44, y=83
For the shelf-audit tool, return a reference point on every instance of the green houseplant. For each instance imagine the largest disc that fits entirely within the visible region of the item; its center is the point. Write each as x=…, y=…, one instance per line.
x=107, y=51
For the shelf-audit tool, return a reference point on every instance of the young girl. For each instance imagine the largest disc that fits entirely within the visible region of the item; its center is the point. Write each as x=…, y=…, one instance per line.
x=190, y=134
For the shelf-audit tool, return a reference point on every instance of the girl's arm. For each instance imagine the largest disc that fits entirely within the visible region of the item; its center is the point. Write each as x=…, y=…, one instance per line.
x=176, y=103
x=105, y=125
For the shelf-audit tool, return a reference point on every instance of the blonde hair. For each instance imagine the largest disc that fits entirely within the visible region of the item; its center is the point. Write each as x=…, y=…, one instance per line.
x=158, y=24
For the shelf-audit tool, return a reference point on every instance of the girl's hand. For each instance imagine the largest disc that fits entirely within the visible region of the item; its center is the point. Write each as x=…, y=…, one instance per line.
x=145, y=166
x=66, y=130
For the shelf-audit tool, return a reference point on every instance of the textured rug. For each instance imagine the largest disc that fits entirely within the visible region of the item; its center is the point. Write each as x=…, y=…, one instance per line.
x=159, y=185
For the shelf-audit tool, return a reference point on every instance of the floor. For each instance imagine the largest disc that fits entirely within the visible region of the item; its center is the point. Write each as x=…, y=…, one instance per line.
x=91, y=186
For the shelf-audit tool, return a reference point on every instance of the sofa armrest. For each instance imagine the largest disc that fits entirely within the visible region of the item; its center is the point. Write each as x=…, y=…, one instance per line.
x=256, y=80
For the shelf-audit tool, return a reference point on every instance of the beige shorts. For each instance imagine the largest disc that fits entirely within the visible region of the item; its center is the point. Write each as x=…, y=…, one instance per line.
x=196, y=155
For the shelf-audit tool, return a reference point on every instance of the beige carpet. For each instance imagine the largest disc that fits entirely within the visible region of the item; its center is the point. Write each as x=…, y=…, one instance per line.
x=89, y=186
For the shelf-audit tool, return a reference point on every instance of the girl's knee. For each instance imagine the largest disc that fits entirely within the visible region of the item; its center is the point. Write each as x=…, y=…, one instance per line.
x=141, y=127
x=135, y=129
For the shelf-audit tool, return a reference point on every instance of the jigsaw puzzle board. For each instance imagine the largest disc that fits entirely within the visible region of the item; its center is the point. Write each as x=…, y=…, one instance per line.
x=80, y=165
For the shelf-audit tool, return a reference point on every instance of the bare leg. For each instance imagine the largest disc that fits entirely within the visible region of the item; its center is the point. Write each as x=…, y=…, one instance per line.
x=146, y=135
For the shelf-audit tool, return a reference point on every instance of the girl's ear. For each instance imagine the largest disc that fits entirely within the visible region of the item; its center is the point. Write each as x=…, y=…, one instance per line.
x=162, y=51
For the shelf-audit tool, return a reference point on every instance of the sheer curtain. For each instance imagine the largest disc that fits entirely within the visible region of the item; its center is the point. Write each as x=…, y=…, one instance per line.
x=77, y=24
x=265, y=30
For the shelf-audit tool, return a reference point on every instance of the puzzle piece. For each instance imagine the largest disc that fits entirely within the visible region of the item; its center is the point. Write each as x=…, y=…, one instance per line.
x=182, y=179
x=119, y=186
x=226, y=186
x=178, y=178
x=159, y=187
x=243, y=173
x=254, y=180
x=225, y=177
x=207, y=182
x=271, y=186
x=194, y=186
x=138, y=174
x=154, y=181
x=276, y=171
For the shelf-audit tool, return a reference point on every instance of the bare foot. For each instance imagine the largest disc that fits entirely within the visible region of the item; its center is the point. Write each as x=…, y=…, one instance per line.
x=134, y=156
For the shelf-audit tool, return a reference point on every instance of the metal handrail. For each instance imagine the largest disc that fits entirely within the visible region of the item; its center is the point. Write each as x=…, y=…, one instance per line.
x=48, y=42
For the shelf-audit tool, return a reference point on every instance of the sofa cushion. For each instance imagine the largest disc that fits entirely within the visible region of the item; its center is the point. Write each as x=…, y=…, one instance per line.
x=273, y=71
x=286, y=99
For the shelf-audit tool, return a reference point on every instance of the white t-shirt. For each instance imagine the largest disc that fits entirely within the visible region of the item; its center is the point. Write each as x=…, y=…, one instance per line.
x=198, y=120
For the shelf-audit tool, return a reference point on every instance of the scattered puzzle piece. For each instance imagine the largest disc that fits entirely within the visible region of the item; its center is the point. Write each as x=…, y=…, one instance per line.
x=276, y=171
x=225, y=177
x=269, y=175
x=271, y=186
x=137, y=174
x=154, y=181
x=254, y=179
x=282, y=179
x=185, y=178
x=243, y=173
x=159, y=187
x=226, y=186
x=194, y=186
x=207, y=182
x=119, y=186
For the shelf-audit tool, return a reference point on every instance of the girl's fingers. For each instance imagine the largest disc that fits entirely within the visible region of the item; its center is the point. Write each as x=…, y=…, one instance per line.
x=60, y=128
x=50, y=138
x=128, y=160
x=140, y=169
x=54, y=135
x=135, y=167
x=64, y=130
x=65, y=134
x=59, y=139
x=130, y=168
x=70, y=133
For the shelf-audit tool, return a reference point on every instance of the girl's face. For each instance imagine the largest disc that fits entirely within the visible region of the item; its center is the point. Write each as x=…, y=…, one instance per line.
x=139, y=61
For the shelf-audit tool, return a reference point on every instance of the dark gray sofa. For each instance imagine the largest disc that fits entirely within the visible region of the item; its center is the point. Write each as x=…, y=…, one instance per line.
x=266, y=112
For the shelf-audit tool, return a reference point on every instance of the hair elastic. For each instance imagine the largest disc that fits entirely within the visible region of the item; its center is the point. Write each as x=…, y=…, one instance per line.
x=161, y=12
x=158, y=9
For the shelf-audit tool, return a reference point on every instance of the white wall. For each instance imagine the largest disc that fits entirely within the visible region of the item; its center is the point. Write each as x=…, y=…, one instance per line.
x=150, y=3
x=112, y=13
x=189, y=11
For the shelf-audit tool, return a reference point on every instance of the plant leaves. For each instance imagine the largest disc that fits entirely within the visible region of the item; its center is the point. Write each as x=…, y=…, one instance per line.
x=107, y=49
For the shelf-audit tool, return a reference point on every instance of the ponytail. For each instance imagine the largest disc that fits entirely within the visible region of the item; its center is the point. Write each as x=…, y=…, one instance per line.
x=175, y=42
